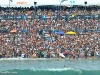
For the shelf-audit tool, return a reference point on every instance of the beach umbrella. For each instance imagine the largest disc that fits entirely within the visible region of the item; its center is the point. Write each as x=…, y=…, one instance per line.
x=26, y=31
x=71, y=33
x=60, y=32
x=13, y=31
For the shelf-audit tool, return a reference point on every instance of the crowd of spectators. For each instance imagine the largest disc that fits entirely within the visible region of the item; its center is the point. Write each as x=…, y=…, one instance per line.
x=34, y=35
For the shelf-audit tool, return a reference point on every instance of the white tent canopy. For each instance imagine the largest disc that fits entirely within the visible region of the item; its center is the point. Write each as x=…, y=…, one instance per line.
x=29, y=3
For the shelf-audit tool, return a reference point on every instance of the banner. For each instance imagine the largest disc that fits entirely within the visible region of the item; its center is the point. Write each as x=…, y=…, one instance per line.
x=72, y=2
x=17, y=3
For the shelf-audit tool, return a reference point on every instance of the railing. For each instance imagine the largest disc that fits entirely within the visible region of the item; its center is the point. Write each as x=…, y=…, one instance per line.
x=23, y=17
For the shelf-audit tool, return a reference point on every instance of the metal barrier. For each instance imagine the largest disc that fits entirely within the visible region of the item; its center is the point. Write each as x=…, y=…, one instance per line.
x=66, y=17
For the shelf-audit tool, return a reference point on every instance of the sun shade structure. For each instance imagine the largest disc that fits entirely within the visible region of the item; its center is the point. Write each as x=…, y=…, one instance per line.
x=71, y=33
x=59, y=32
x=13, y=31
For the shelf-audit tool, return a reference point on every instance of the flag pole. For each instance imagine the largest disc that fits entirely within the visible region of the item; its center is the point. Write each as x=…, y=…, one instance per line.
x=60, y=5
x=9, y=5
x=61, y=1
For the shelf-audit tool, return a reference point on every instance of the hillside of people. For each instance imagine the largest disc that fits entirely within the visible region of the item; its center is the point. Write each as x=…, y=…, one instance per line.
x=50, y=32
